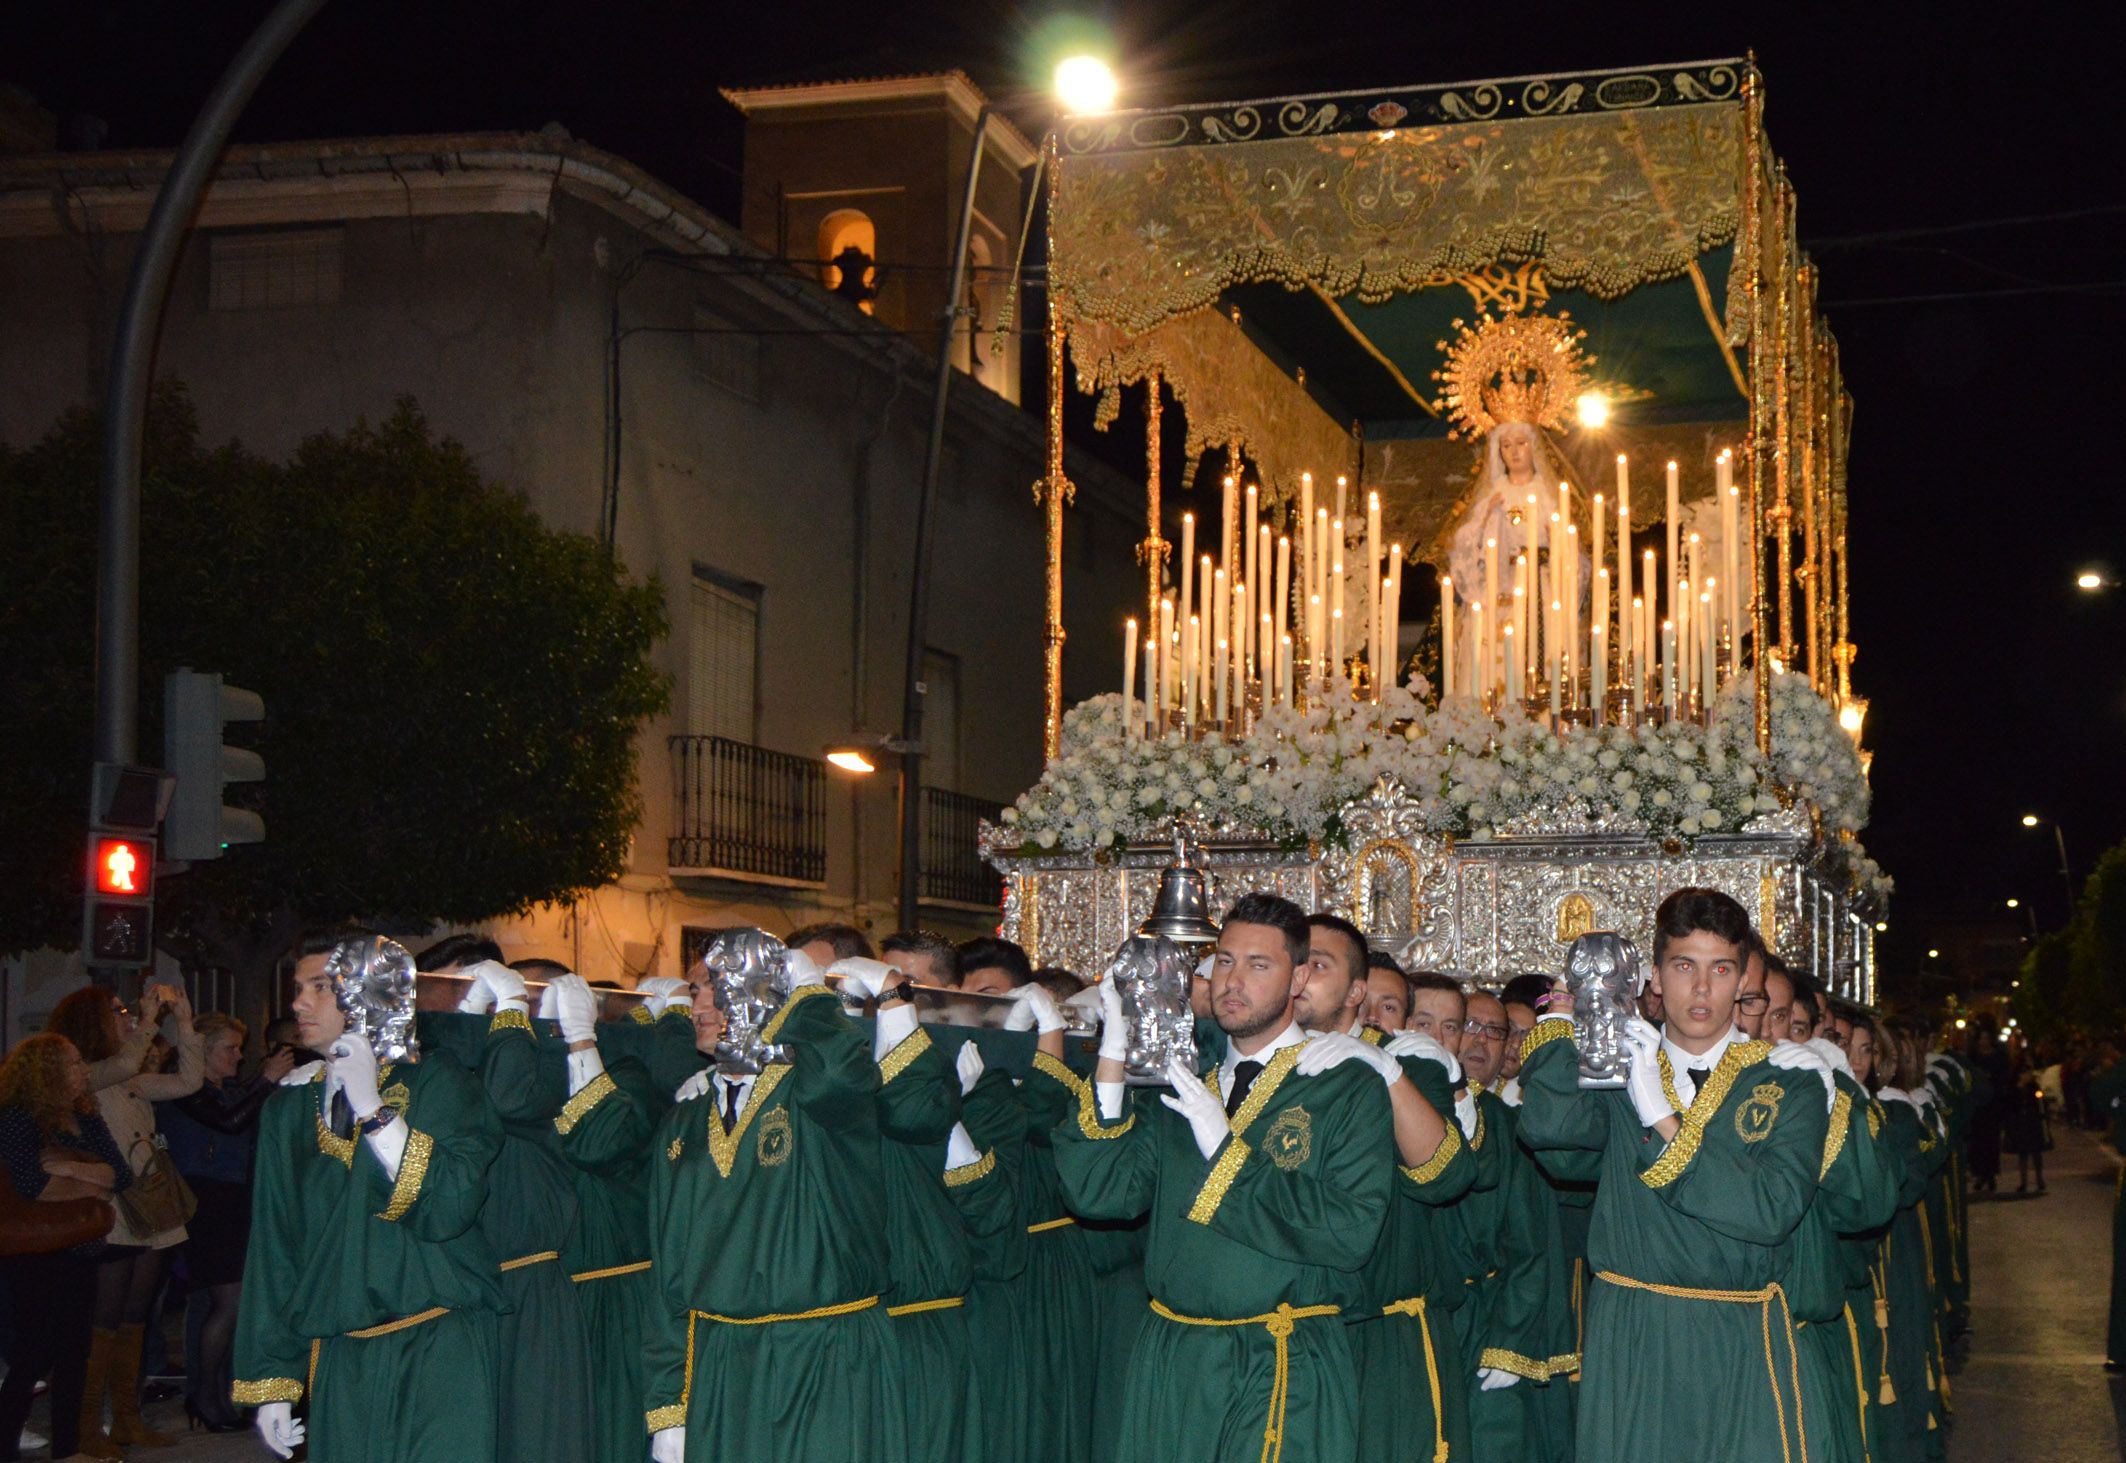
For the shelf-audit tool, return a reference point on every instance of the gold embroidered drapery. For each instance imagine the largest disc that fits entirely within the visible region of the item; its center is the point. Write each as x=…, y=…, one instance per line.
x=1607, y=200
x=1231, y=394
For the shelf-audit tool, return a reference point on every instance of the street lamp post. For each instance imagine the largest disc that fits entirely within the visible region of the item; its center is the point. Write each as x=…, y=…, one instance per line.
x=2059, y=841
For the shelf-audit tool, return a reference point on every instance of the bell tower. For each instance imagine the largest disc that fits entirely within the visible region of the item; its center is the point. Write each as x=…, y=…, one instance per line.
x=838, y=173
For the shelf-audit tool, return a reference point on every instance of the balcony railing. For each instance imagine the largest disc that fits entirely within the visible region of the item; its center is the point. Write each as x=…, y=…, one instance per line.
x=952, y=868
x=743, y=809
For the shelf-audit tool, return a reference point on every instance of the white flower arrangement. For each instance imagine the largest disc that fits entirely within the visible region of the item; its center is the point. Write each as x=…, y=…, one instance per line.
x=1471, y=774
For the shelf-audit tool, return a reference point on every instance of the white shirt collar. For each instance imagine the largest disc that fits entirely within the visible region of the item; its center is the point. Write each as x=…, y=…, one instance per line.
x=1682, y=1061
x=743, y=1082
x=1292, y=1035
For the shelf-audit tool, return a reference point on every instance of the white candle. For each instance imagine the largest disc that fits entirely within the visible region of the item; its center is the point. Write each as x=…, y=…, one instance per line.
x=1598, y=669
x=1637, y=665
x=1204, y=590
x=1129, y=674
x=1284, y=667
x=1628, y=639
x=1248, y=547
x=1318, y=648
x=1221, y=604
x=1557, y=659
x=1675, y=523
x=1707, y=671
x=1668, y=665
x=1376, y=652
x=1281, y=606
x=1222, y=707
x=1266, y=658
x=1169, y=671
x=1228, y=521
x=1261, y=607
x=1191, y=671
x=1336, y=586
x=1342, y=483
x=1684, y=598
x=1492, y=589
x=1446, y=636
x=1151, y=682
x=1317, y=659
x=1520, y=601
x=1336, y=638
x=1572, y=600
x=1306, y=534
x=1479, y=653
x=1240, y=622
x=1513, y=661
x=1188, y=559
x=1391, y=622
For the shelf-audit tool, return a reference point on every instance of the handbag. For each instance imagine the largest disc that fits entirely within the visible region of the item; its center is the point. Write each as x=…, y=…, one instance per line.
x=34, y=1227
x=158, y=1199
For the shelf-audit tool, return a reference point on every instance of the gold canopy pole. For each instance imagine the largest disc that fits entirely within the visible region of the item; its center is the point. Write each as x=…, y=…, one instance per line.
x=1154, y=548
x=1055, y=489
x=1782, y=367
x=1753, y=239
x=1802, y=333
x=1841, y=428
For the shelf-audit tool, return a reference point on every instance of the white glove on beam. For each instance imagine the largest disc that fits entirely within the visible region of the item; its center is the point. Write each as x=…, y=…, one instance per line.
x=1034, y=1009
x=863, y=976
x=1425, y=1048
x=1492, y=1379
x=1643, y=1081
x=1795, y=1056
x=800, y=970
x=1832, y=1053
x=1196, y=1102
x=661, y=992
x=278, y=1427
x=1333, y=1049
x=969, y=1064
x=668, y=1445
x=504, y=988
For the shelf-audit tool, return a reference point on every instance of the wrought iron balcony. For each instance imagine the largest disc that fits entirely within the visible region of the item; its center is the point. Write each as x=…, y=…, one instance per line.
x=952, y=867
x=743, y=809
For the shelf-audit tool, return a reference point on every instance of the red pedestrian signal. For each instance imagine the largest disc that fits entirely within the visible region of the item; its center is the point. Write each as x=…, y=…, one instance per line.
x=124, y=866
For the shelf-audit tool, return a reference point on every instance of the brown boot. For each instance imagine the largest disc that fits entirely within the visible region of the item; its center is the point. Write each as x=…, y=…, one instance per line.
x=126, y=1426
x=94, y=1443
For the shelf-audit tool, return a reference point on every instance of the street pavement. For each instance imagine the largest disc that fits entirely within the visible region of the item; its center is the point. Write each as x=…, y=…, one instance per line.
x=2034, y=1385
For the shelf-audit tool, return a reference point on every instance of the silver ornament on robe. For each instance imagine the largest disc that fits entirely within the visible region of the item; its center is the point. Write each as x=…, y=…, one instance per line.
x=1152, y=976
x=1604, y=974
x=373, y=982
x=750, y=978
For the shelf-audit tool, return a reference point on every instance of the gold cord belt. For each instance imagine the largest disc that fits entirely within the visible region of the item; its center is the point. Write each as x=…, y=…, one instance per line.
x=917, y=1307
x=819, y=1313
x=523, y=1260
x=1415, y=1306
x=1860, y=1380
x=1047, y=1224
x=611, y=1270
x=1279, y=1324
x=1762, y=1299
x=368, y=1333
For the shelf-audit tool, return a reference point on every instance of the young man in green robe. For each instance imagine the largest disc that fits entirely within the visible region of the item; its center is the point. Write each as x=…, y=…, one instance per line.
x=768, y=1337
x=1707, y=1160
x=370, y=1288
x=1267, y=1190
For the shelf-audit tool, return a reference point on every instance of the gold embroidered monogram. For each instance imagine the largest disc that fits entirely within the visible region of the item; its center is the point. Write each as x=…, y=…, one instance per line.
x=772, y=1146
x=1290, y=1139
x=1754, y=1118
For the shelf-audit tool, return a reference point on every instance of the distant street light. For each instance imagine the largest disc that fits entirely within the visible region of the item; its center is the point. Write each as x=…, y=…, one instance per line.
x=1086, y=84
x=2059, y=839
x=2089, y=581
x=1934, y=954
x=2015, y=904
x=2030, y=820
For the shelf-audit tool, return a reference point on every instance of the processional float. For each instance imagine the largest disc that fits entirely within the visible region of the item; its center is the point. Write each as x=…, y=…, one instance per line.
x=1546, y=348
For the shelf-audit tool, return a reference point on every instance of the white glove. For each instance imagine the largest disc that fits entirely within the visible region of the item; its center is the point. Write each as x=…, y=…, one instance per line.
x=1465, y=1113
x=1794, y=1056
x=1832, y=1053
x=479, y=997
x=800, y=970
x=1114, y=1032
x=1333, y=1049
x=277, y=1426
x=1921, y=1097
x=549, y=1003
x=1491, y=1378
x=1895, y=1094
x=862, y=976
x=1035, y=1010
x=694, y=1086
x=354, y=1063
x=1426, y=1048
x=307, y=1072
x=959, y=1148
x=1196, y=1102
x=575, y=1008
x=668, y=1445
x=662, y=992
x=1643, y=1082
x=504, y=986
x=969, y=1063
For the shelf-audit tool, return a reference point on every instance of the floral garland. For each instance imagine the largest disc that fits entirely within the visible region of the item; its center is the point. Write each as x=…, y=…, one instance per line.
x=1470, y=774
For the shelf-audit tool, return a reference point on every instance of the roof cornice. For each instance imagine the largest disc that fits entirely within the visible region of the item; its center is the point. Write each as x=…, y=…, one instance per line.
x=962, y=98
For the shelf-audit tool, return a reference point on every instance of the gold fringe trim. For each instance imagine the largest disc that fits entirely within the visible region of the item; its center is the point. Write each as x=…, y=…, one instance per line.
x=258, y=1394
x=1834, y=1141
x=1057, y=1068
x=660, y=1418
x=577, y=1108
x=723, y=1147
x=1221, y=1176
x=1443, y=1155
x=510, y=1019
x=798, y=997
x=903, y=1055
x=968, y=1173
x=1666, y=1169
x=1089, y=1115
x=1546, y=1031
x=413, y=1168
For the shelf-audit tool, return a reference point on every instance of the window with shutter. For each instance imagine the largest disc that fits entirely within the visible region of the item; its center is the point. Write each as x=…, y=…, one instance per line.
x=724, y=659
x=941, y=719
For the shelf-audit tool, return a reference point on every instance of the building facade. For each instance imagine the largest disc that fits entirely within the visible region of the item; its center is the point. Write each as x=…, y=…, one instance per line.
x=638, y=367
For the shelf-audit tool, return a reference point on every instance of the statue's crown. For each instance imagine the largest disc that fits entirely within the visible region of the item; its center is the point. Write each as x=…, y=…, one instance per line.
x=1515, y=368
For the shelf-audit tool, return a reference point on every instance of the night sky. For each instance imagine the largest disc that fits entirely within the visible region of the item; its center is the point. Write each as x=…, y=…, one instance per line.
x=1956, y=186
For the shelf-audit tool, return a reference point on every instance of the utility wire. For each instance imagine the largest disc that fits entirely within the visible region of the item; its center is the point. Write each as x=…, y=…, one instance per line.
x=2092, y=287
x=1928, y=231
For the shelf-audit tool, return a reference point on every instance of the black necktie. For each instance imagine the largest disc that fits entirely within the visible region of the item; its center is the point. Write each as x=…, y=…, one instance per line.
x=342, y=1114
x=1244, y=1075
x=730, y=1106
x=1699, y=1076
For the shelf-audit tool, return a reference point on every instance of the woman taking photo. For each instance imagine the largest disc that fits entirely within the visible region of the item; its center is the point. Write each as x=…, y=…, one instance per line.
x=56, y=1148
x=151, y=1221
x=211, y=1134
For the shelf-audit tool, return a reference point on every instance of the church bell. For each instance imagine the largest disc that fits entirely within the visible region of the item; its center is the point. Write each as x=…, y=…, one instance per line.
x=1180, y=910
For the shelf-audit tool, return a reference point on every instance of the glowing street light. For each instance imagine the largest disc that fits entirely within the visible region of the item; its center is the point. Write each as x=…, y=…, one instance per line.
x=2089, y=581
x=1882, y=927
x=1593, y=410
x=2015, y=904
x=1086, y=84
x=2030, y=820
x=1934, y=954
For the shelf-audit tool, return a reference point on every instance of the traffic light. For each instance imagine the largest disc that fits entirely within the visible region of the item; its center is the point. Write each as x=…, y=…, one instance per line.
x=119, y=924
x=197, y=710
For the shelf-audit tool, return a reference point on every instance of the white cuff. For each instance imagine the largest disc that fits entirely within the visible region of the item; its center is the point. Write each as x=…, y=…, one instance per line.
x=893, y=1028
x=583, y=1069
x=389, y=1146
x=959, y=1149
x=1109, y=1096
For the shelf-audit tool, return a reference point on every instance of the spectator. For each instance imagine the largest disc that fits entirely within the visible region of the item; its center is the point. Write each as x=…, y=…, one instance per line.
x=1058, y=982
x=211, y=1134
x=827, y=943
x=56, y=1147
x=2023, y=1127
x=103, y=1030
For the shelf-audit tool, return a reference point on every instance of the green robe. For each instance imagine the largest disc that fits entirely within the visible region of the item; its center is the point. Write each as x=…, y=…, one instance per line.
x=530, y=1218
x=1911, y=1426
x=767, y=1338
x=1283, y=1217
x=338, y=1247
x=1036, y=1330
x=1714, y=1211
x=1856, y=1194
x=1410, y=1400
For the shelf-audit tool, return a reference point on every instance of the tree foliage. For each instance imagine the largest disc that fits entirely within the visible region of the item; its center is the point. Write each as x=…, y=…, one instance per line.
x=453, y=689
x=2096, y=962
